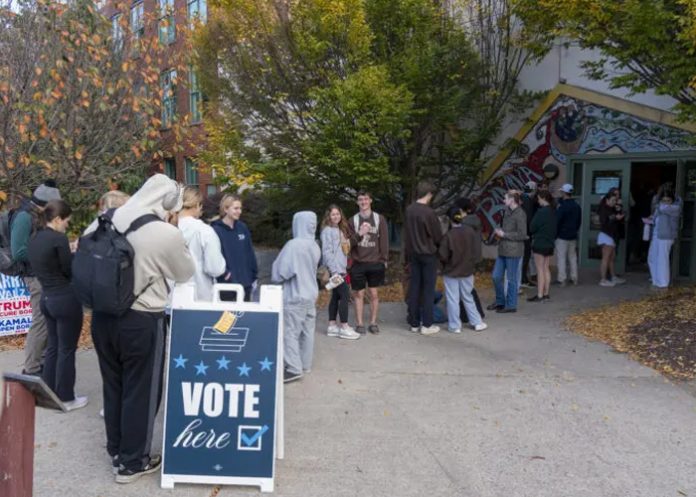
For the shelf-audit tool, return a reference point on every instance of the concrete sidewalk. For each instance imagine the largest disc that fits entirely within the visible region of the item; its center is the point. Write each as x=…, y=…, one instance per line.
x=523, y=409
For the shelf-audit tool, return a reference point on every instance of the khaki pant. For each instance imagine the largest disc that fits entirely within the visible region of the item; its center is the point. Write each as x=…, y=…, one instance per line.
x=567, y=253
x=35, y=344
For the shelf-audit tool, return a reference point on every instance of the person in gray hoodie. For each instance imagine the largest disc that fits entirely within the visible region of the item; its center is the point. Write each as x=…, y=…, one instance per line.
x=130, y=347
x=296, y=269
x=665, y=221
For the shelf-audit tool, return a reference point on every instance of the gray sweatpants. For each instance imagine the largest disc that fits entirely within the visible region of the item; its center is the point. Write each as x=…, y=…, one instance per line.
x=35, y=344
x=299, y=321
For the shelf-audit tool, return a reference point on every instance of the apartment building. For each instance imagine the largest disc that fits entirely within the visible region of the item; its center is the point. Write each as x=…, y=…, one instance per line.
x=170, y=21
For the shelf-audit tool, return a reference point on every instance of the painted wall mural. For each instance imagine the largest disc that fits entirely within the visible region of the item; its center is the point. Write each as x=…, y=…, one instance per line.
x=573, y=126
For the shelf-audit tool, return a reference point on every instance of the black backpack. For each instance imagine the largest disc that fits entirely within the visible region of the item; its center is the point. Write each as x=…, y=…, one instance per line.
x=102, y=269
x=8, y=265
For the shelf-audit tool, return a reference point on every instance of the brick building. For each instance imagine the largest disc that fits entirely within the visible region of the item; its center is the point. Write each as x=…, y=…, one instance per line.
x=182, y=96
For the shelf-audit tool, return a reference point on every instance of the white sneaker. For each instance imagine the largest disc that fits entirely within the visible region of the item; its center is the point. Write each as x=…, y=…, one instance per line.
x=607, y=283
x=480, y=327
x=618, y=281
x=429, y=330
x=415, y=329
x=348, y=333
x=458, y=330
x=332, y=331
x=78, y=403
x=101, y=412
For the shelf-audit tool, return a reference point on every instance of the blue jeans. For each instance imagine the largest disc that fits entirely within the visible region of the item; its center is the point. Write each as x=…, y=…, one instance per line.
x=506, y=266
x=459, y=290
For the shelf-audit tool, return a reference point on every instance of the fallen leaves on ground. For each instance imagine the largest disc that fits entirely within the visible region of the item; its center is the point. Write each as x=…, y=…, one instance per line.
x=17, y=342
x=658, y=331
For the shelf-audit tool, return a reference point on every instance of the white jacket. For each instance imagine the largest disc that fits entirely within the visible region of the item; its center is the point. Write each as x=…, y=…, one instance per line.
x=205, y=249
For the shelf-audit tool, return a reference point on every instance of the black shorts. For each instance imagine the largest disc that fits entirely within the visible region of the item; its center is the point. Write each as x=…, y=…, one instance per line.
x=366, y=274
x=546, y=252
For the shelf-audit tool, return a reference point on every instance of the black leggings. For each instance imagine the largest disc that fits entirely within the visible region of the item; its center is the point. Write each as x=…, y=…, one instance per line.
x=63, y=314
x=340, y=296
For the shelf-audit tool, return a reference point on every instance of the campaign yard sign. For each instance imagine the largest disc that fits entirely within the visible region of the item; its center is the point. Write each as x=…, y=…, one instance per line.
x=15, y=306
x=223, y=384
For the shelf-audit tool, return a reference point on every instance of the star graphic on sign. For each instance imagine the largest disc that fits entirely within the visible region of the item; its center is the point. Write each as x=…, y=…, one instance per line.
x=217, y=467
x=223, y=362
x=265, y=364
x=244, y=369
x=200, y=368
x=180, y=362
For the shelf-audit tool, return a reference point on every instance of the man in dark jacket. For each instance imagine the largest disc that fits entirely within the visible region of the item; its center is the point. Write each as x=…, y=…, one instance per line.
x=422, y=239
x=569, y=218
x=529, y=206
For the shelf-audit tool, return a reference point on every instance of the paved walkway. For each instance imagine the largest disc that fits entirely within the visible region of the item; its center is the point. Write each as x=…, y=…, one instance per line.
x=524, y=409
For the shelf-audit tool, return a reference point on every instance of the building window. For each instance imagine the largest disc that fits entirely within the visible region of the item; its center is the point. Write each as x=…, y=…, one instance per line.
x=167, y=26
x=117, y=32
x=168, y=86
x=137, y=25
x=191, y=173
x=170, y=167
x=197, y=11
x=211, y=190
x=195, y=98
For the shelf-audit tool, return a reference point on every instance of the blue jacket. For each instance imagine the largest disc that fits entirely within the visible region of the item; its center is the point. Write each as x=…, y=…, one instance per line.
x=568, y=219
x=238, y=251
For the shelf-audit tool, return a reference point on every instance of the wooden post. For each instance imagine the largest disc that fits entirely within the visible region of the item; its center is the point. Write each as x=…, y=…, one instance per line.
x=16, y=441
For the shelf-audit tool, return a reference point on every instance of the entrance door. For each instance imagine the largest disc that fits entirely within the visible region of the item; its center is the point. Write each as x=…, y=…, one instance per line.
x=599, y=176
x=685, y=248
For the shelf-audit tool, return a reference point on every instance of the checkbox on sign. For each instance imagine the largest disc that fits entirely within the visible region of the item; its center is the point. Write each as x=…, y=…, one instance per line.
x=249, y=437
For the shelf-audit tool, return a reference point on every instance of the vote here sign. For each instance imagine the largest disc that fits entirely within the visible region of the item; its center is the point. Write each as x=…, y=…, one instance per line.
x=222, y=382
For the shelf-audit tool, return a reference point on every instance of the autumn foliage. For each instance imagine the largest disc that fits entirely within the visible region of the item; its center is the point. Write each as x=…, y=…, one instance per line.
x=76, y=104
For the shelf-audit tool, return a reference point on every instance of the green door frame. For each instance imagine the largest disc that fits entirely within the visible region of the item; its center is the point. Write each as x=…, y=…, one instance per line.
x=685, y=161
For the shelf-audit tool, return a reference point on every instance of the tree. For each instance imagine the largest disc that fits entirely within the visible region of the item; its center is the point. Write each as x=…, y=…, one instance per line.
x=77, y=105
x=321, y=97
x=645, y=44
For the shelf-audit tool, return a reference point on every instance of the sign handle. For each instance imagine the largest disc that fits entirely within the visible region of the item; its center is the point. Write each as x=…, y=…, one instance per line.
x=228, y=287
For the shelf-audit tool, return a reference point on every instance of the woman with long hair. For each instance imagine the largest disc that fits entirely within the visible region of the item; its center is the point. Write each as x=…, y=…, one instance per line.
x=51, y=260
x=665, y=227
x=542, y=229
x=610, y=230
x=335, y=247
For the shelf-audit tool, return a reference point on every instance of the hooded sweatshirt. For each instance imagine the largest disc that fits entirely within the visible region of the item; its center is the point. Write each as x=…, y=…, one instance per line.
x=296, y=265
x=238, y=251
x=206, y=251
x=331, y=251
x=160, y=249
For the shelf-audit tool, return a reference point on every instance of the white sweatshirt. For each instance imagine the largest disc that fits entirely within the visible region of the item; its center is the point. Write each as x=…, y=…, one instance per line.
x=204, y=245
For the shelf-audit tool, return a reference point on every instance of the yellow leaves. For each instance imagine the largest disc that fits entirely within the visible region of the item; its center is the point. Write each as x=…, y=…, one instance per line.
x=80, y=153
x=37, y=96
x=3, y=196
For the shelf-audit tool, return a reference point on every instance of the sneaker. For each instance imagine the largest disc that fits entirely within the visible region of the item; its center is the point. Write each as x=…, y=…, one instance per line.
x=374, y=329
x=101, y=412
x=546, y=298
x=480, y=327
x=415, y=329
x=130, y=475
x=607, y=283
x=574, y=282
x=505, y=310
x=494, y=307
x=525, y=284
x=114, y=464
x=77, y=403
x=618, y=281
x=348, y=333
x=429, y=330
x=458, y=330
x=332, y=331
x=290, y=377
x=360, y=329
x=535, y=298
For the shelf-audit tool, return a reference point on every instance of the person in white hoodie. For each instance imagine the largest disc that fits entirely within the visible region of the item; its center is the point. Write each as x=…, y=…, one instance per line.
x=296, y=269
x=202, y=242
x=130, y=347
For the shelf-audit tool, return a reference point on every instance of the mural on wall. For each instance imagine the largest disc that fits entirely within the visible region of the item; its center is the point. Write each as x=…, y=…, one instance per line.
x=573, y=126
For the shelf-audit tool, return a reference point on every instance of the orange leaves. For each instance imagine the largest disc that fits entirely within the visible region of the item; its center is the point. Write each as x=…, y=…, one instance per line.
x=80, y=153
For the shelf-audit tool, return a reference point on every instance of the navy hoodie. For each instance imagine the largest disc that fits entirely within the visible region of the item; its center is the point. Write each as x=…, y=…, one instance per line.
x=569, y=218
x=238, y=251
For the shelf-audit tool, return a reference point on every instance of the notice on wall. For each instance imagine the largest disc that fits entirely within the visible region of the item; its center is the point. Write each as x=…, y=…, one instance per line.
x=15, y=306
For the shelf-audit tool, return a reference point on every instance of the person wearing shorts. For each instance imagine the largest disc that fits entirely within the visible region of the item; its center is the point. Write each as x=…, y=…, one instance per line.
x=543, y=233
x=610, y=222
x=369, y=241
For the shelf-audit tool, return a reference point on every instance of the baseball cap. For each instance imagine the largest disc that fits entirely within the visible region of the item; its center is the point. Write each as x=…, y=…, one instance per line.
x=567, y=188
x=530, y=186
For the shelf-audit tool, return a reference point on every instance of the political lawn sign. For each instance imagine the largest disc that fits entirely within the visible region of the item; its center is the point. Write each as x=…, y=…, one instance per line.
x=223, y=406
x=15, y=306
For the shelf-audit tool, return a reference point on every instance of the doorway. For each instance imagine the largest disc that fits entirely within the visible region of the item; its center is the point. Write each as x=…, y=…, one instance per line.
x=646, y=178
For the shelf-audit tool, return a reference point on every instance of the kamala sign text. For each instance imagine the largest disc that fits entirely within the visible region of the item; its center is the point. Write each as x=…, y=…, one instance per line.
x=15, y=306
